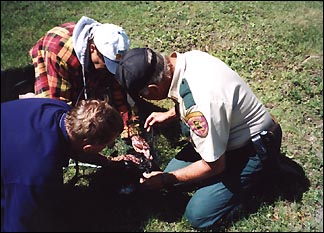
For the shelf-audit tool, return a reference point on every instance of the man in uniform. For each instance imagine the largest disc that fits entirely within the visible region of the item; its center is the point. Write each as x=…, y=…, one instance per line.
x=234, y=139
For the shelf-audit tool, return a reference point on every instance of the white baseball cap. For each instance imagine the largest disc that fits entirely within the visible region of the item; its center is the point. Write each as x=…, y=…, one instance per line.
x=112, y=42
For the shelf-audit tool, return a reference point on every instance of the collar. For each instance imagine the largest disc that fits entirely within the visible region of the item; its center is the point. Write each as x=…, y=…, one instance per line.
x=179, y=70
x=63, y=126
x=88, y=64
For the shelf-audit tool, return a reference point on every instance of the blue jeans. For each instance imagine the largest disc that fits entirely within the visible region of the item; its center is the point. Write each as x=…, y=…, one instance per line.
x=216, y=197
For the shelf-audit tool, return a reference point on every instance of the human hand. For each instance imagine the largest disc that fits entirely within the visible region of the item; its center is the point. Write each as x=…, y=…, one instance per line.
x=141, y=146
x=154, y=118
x=152, y=180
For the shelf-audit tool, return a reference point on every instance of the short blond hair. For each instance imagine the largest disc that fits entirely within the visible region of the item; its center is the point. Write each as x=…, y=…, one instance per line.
x=94, y=121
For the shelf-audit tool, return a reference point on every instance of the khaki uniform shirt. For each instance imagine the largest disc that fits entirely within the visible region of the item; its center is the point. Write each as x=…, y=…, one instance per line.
x=216, y=105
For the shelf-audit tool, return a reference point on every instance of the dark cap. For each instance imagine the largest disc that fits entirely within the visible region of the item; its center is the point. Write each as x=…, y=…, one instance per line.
x=135, y=69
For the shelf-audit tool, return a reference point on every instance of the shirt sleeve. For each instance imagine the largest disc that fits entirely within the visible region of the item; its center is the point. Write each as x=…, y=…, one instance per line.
x=52, y=82
x=217, y=121
x=54, y=64
x=119, y=100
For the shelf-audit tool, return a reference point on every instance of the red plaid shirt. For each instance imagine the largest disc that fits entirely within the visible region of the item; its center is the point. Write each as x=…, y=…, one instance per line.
x=59, y=73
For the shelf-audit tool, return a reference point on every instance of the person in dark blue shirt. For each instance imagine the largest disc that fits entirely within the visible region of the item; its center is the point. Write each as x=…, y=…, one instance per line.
x=38, y=137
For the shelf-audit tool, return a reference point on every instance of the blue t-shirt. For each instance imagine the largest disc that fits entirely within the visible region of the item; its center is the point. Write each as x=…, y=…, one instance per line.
x=34, y=150
x=33, y=141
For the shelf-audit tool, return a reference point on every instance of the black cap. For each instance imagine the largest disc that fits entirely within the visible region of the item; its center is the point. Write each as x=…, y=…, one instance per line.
x=135, y=69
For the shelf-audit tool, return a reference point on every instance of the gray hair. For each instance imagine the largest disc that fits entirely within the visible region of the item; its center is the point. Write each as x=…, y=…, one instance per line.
x=162, y=68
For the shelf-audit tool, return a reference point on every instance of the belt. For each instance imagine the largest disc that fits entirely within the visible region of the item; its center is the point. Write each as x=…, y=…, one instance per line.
x=245, y=151
x=267, y=136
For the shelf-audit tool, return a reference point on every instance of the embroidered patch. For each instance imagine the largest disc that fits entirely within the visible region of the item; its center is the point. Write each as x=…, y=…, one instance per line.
x=198, y=123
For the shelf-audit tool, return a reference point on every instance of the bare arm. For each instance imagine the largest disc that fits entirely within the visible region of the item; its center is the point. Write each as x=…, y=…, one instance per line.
x=159, y=117
x=194, y=172
x=200, y=170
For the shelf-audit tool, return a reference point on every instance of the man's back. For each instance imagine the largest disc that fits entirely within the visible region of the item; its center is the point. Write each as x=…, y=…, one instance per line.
x=33, y=140
x=58, y=70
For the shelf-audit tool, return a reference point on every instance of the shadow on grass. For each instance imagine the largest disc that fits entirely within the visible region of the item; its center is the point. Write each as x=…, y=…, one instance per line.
x=99, y=208
x=17, y=81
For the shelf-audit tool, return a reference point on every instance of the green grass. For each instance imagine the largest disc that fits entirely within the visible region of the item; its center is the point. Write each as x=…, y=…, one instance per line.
x=277, y=47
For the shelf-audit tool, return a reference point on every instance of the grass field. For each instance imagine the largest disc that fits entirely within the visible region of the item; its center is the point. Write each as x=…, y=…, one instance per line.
x=277, y=47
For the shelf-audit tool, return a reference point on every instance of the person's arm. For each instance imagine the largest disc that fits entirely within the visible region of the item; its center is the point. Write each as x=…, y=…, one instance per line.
x=159, y=117
x=120, y=102
x=104, y=161
x=131, y=129
x=194, y=172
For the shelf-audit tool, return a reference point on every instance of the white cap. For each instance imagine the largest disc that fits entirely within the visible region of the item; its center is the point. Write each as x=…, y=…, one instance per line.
x=112, y=42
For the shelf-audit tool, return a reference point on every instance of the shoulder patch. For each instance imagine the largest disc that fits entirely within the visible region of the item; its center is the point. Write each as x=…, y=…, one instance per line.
x=197, y=123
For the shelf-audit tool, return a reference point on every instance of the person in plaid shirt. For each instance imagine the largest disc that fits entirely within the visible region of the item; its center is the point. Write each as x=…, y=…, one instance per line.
x=77, y=61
